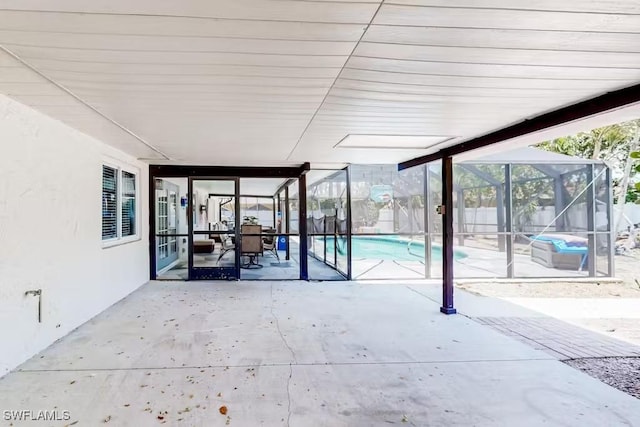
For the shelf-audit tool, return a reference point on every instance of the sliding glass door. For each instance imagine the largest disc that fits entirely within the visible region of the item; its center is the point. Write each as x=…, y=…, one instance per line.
x=170, y=224
x=214, y=223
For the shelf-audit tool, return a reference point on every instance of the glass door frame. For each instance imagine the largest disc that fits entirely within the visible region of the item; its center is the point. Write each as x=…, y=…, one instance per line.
x=171, y=237
x=161, y=236
x=214, y=273
x=198, y=172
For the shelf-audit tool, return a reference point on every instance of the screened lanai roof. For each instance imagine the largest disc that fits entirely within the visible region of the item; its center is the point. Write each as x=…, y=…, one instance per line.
x=530, y=155
x=545, y=162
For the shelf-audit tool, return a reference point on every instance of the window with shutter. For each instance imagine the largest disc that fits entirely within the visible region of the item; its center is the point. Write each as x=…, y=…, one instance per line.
x=109, y=203
x=128, y=210
x=119, y=205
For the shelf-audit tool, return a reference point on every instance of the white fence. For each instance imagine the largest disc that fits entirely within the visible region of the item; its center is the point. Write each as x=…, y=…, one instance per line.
x=631, y=215
x=479, y=220
x=485, y=219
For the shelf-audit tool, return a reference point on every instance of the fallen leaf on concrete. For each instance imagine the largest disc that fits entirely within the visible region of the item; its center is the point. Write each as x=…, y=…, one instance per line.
x=223, y=410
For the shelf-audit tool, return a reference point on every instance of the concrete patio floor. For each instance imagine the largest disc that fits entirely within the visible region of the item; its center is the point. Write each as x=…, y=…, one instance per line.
x=304, y=354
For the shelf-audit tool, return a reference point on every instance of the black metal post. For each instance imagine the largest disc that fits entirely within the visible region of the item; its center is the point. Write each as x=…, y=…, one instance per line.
x=447, y=225
x=426, y=228
x=152, y=227
x=335, y=241
x=590, y=196
x=238, y=238
x=509, y=218
x=275, y=222
x=286, y=222
x=348, y=230
x=324, y=237
x=190, y=211
x=302, y=226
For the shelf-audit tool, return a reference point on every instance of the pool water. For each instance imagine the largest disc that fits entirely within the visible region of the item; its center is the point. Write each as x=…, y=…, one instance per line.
x=388, y=247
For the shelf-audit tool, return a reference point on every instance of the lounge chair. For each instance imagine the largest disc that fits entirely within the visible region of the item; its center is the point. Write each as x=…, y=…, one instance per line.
x=560, y=251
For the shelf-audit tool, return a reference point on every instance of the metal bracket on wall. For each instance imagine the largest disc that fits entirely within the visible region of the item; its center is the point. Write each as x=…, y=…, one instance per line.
x=38, y=293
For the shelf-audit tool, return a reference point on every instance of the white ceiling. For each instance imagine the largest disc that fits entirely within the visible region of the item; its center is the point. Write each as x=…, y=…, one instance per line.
x=274, y=82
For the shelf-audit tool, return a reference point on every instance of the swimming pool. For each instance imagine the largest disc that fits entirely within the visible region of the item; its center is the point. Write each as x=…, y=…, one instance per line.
x=388, y=247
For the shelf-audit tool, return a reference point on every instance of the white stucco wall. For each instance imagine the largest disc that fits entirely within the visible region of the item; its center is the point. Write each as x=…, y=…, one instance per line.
x=50, y=232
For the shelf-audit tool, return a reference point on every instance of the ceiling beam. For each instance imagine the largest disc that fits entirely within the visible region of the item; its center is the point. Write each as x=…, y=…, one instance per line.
x=600, y=104
x=229, y=171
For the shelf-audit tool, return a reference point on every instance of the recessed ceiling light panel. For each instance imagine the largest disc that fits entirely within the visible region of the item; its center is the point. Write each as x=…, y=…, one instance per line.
x=395, y=142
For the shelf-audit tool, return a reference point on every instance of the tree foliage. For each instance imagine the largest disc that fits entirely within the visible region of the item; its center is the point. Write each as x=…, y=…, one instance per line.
x=634, y=193
x=612, y=144
x=609, y=144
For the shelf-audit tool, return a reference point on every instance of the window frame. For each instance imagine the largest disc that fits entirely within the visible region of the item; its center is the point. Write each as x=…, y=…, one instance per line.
x=120, y=168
